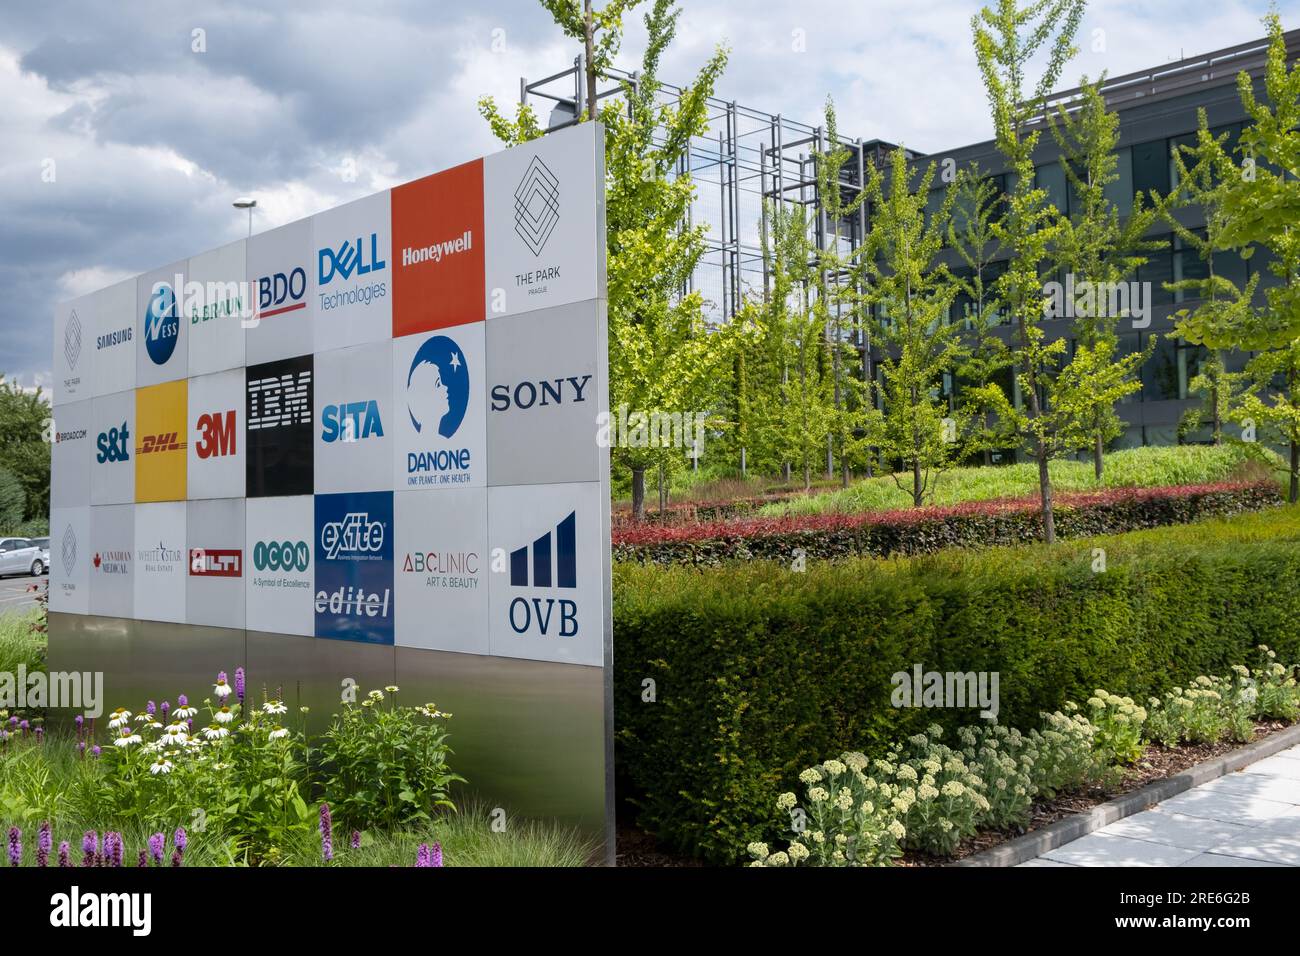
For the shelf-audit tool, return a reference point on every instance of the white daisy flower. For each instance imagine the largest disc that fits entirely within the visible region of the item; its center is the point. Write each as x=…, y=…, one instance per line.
x=225, y=716
x=278, y=733
x=128, y=739
x=161, y=765
x=275, y=707
x=119, y=718
x=216, y=733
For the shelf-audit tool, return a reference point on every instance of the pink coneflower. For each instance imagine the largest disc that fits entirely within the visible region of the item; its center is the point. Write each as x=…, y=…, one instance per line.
x=43, y=843
x=65, y=855
x=15, y=846
x=326, y=833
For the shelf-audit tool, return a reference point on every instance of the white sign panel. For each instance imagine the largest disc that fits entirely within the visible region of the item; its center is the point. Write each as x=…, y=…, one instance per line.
x=353, y=273
x=282, y=269
x=161, y=561
x=215, y=466
x=71, y=456
x=112, y=562
x=70, y=560
x=280, y=565
x=214, y=592
x=112, y=457
x=114, y=345
x=440, y=566
x=215, y=306
x=353, y=418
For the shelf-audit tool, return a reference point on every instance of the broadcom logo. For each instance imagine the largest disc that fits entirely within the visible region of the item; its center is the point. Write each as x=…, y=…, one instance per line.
x=438, y=230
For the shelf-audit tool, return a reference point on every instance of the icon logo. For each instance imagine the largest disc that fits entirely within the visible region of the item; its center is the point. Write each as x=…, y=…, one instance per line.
x=437, y=387
x=349, y=259
x=112, y=445
x=280, y=293
x=162, y=324
x=218, y=434
x=72, y=339
x=68, y=550
x=524, y=612
x=282, y=555
x=537, y=205
x=224, y=563
x=352, y=421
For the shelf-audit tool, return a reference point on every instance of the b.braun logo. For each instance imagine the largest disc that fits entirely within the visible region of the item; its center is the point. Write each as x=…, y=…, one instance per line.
x=351, y=421
x=152, y=444
x=437, y=387
x=72, y=339
x=525, y=612
x=112, y=445
x=549, y=391
x=279, y=293
x=348, y=260
x=217, y=431
x=537, y=205
x=354, y=538
x=281, y=556
x=162, y=324
x=216, y=563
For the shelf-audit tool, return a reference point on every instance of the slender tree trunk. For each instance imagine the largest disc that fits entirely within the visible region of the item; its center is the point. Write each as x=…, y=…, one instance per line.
x=1214, y=397
x=1295, y=471
x=590, y=44
x=1097, y=449
x=1045, y=489
x=663, y=495
x=916, y=483
x=638, y=492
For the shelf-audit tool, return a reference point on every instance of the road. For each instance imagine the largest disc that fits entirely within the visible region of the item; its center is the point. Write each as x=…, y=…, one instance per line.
x=18, y=593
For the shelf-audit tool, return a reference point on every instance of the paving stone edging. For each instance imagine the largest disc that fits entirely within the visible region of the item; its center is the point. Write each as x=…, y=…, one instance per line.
x=1038, y=842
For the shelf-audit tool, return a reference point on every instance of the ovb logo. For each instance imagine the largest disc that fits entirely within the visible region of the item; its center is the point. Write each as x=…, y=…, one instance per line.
x=162, y=324
x=112, y=445
x=548, y=616
x=348, y=260
x=437, y=387
x=281, y=556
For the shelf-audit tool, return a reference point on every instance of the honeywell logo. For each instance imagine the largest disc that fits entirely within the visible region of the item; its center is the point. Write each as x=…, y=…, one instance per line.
x=414, y=255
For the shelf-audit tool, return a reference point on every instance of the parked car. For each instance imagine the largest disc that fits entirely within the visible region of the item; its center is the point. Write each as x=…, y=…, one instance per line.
x=44, y=545
x=23, y=556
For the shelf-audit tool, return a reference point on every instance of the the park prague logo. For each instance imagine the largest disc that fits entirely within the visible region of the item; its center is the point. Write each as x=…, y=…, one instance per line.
x=354, y=567
x=160, y=446
x=437, y=396
x=162, y=324
x=72, y=349
x=546, y=616
x=216, y=563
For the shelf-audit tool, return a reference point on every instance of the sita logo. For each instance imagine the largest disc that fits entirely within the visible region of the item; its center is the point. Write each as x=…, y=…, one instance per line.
x=112, y=445
x=351, y=421
x=162, y=324
x=356, y=536
x=348, y=260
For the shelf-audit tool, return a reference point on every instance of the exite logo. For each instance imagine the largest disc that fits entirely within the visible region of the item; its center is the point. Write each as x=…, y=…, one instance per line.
x=112, y=445
x=162, y=324
x=551, y=561
x=216, y=563
x=349, y=260
x=537, y=205
x=282, y=556
x=548, y=391
x=278, y=400
x=216, y=434
x=279, y=293
x=72, y=340
x=351, y=421
x=355, y=538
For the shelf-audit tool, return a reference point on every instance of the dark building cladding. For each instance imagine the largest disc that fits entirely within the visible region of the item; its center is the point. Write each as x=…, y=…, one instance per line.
x=750, y=158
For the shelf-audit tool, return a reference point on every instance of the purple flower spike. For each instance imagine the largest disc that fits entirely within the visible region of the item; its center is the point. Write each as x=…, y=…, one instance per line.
x=151, y=708
x=89, y=848
x=24, y=726
x=157, y=844
x=435, y=855
x=166, y=709
x=43, y=843
x=15, y=846
x=113, y=848
x=65, y=854
x=79, y=721
x=40, y=735
x=176, y=857
x=356, y=840
x=182, y=701
x=180, y=839
x=326, y=833
x=81, y=747
x=422, y=855
x=95, y=751
x=143, y=860
x=239, y=683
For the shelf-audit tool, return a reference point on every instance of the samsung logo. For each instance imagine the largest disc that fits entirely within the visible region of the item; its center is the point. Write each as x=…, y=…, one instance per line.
x=113, y=338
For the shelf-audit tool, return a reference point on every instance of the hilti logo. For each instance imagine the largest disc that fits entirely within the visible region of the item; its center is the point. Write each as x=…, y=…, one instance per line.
x=216, y=564
x=155, y=443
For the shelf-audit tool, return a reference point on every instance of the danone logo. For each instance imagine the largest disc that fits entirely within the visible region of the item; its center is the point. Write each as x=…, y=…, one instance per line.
x=437, y=387
x=282, y=555
x=162, y=324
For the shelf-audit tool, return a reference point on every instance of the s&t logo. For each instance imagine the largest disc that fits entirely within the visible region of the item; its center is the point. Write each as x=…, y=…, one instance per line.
x=162, y=324
x=112, y=445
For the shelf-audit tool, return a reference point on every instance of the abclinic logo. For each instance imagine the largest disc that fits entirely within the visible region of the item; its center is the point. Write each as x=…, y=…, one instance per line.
x=112, y=445
x=216, y=562
x=537, y=205
x=452, y=569
x=216, y=434
x=282, y=556
x=527, y=614
x=162, y=324
x=351, y=421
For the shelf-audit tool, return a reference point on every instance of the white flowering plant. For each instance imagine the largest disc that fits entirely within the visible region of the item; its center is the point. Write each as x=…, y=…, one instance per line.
x=941, y=800
x=1119, y=723
x=1002, y=759
x=1064, y=757
x=1278, y=692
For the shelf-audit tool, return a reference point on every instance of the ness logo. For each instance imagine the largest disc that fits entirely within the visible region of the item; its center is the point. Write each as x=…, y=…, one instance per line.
x=539, y=615
x=162, y=324
x=353, y=421
x=112, y=445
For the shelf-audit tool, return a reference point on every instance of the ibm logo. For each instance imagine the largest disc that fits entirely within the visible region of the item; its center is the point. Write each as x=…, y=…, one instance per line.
x=279, y=400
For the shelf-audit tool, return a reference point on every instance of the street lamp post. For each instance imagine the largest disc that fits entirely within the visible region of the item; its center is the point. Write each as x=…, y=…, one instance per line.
x=247, y=202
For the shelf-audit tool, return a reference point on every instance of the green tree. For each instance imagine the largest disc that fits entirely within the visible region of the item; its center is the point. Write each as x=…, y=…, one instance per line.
x=25, y=429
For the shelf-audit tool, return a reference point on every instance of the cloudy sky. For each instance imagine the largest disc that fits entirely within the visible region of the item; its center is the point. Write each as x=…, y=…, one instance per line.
x=128, y=127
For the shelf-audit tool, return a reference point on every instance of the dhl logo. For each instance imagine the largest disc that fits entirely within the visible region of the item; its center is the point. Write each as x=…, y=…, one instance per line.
x=164, y=442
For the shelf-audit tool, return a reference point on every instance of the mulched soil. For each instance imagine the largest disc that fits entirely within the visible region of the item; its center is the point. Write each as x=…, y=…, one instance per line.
x=636, y=848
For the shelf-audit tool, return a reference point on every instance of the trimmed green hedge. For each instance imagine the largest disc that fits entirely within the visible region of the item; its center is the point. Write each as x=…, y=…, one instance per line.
x=760, y=671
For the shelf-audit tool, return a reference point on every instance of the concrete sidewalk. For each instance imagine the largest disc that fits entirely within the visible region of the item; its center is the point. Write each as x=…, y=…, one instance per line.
x=1248, y=818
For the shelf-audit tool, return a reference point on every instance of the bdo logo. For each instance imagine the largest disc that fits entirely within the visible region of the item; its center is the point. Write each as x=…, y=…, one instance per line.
x=112, y=445
x=216, y=434
x=282, y=555
x=280, y=293
x=162, y=324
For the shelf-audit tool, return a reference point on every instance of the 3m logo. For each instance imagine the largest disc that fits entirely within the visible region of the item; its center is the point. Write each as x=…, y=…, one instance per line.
x=225, y=563
x=537, y=205
x=155, y=443
x=218, y=434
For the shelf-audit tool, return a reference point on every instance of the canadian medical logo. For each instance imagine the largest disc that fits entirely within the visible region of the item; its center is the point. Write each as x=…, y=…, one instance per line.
x=216, y=434
x=162, y=324
x=546, y=569
x=537, y=205
x=112, y=445
x=112, y=562
x=216, y=563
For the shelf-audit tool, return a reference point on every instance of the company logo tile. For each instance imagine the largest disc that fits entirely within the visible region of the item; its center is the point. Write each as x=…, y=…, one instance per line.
x=549, y=561
x=113, y=445
x=160, y=449
x=537, y=205
x=279, y=294
x=354, y=567
x=438, y=247
x=280, y=431
x=216, y=562
x=68, y=550
x=353, y=273
x=162, y=324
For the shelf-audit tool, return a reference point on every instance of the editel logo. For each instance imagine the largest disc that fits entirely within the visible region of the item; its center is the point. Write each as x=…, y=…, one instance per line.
x=216, y=563
x=352, y=421
x=162, y=324
x=353, y=577
x=217, y=431
x=542, y=611
x=112, y=445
